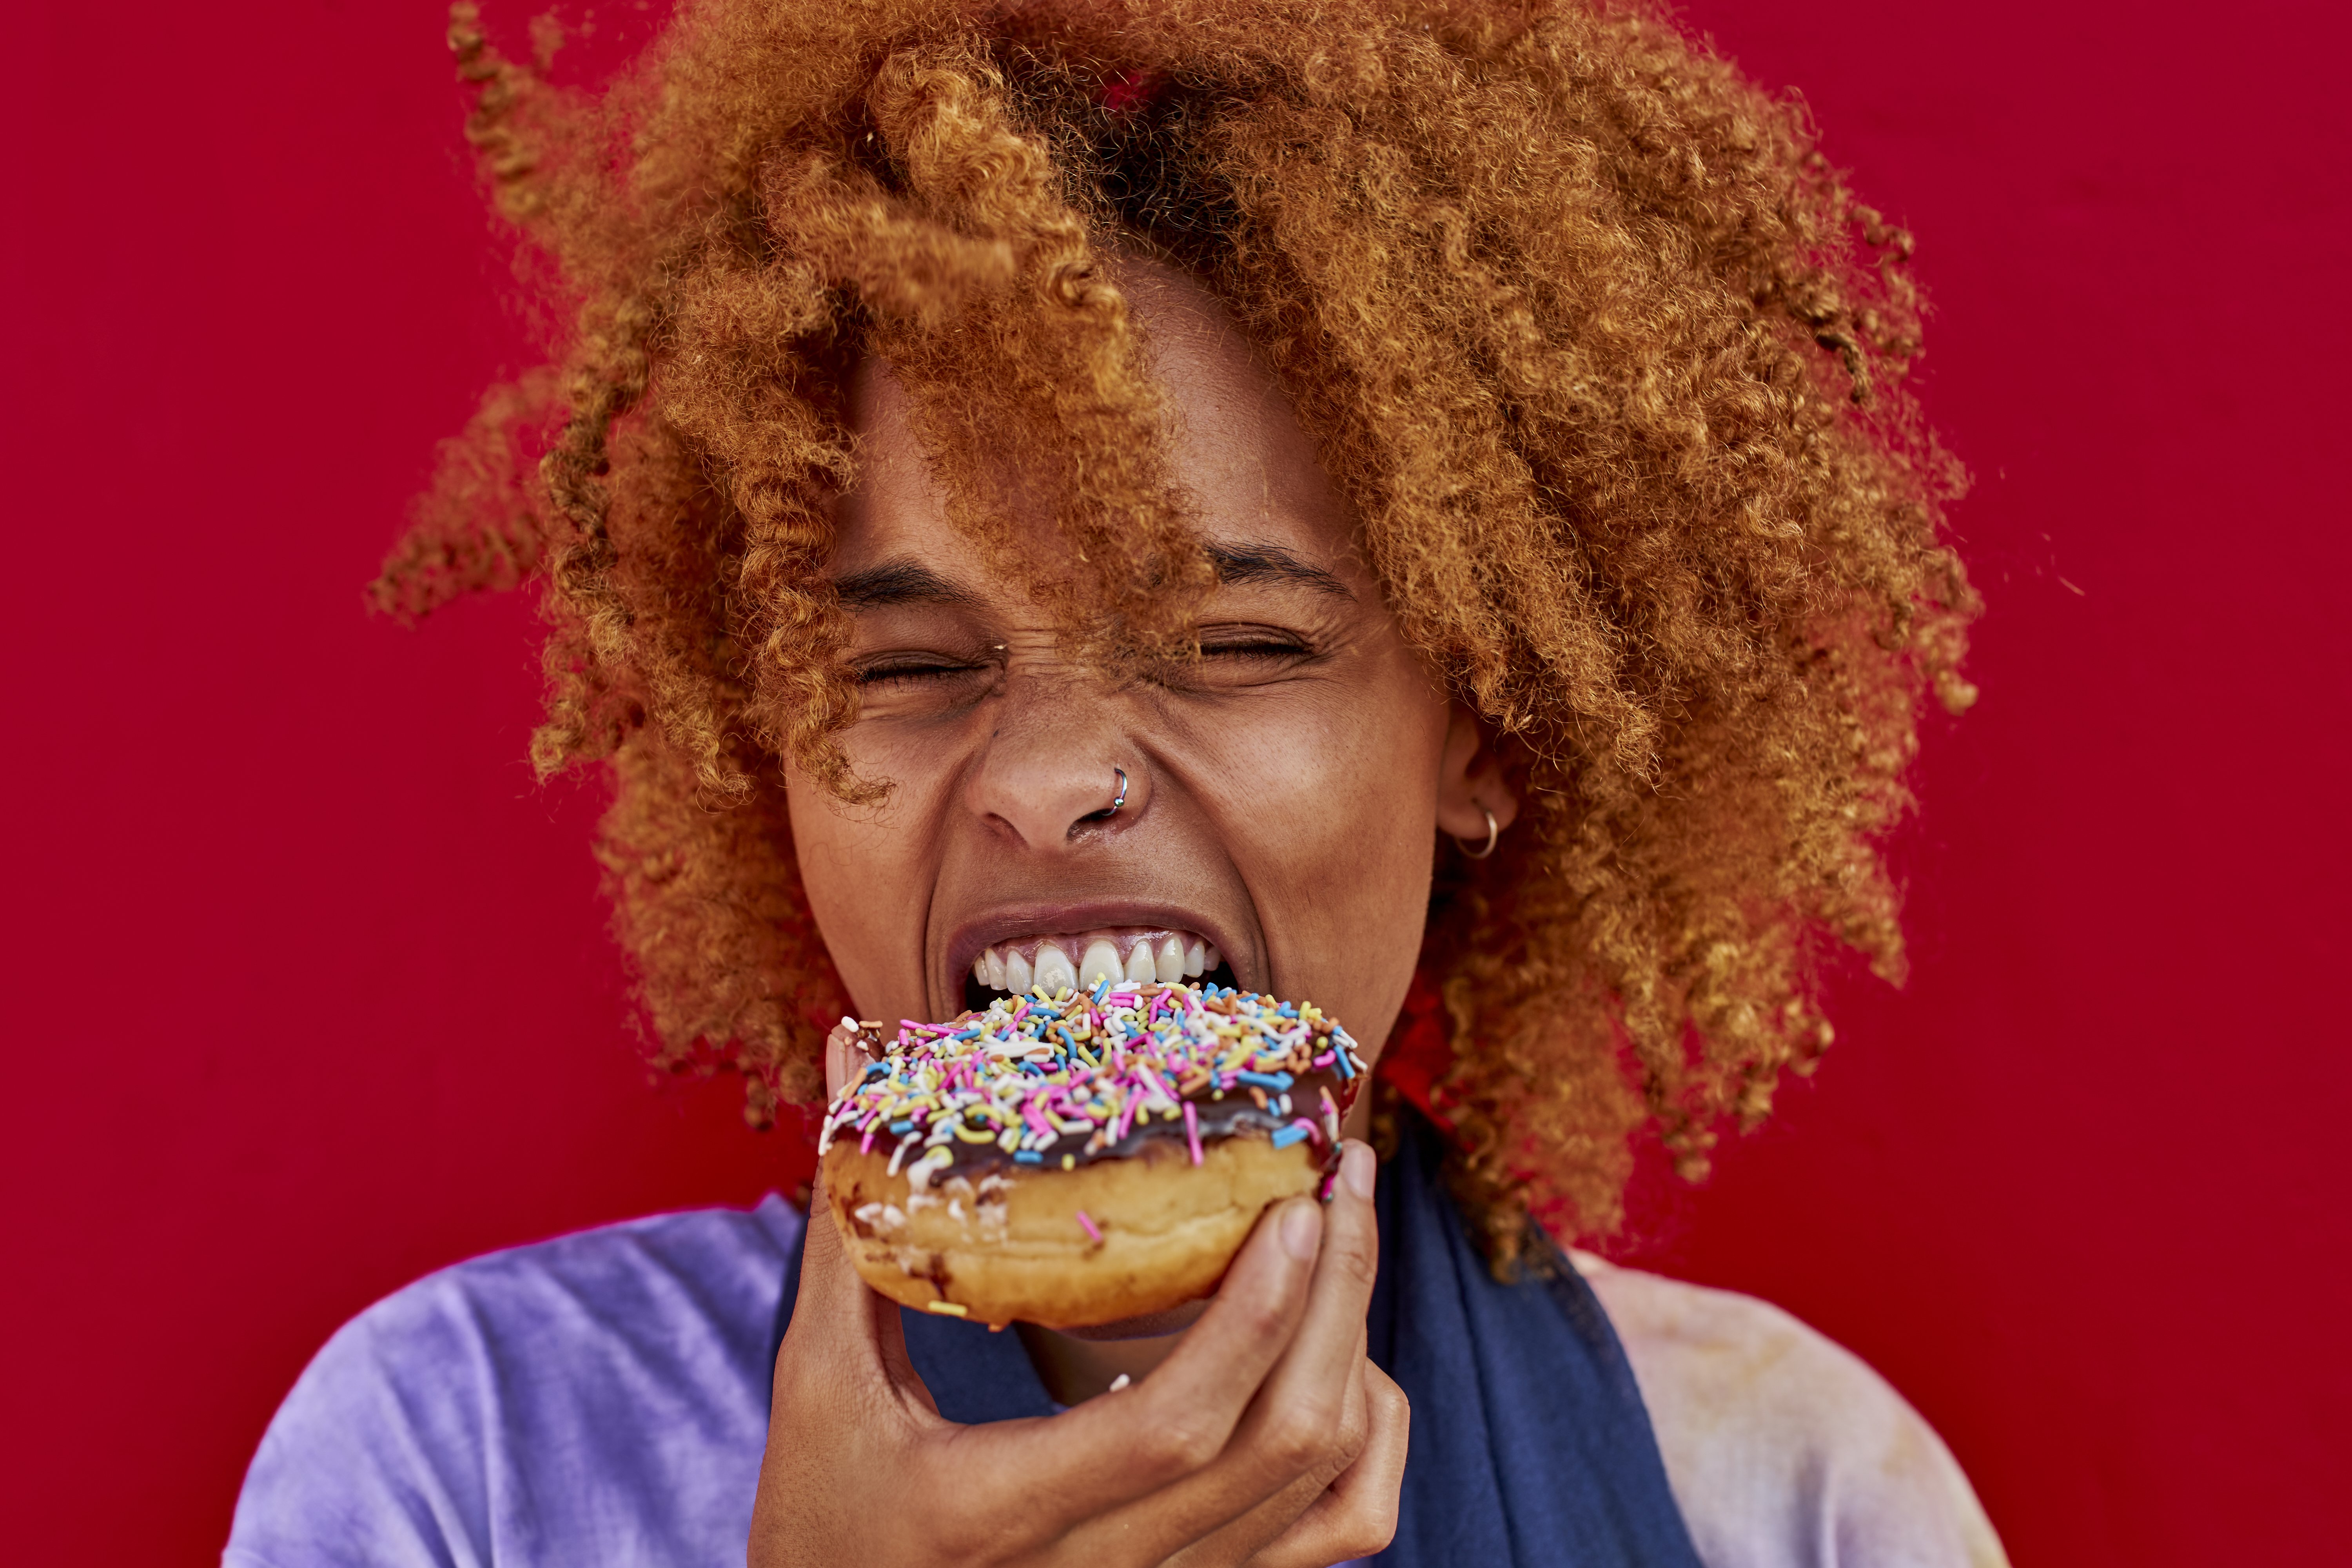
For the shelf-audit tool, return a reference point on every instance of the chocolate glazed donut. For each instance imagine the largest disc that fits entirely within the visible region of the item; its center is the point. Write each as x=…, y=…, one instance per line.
x=1087, y=1157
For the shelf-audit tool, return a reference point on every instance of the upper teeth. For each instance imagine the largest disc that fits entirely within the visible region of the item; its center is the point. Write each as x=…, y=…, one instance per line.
x=1045, y=963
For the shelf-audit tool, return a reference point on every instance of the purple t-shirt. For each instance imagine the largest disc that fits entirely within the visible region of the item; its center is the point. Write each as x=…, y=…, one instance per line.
x=600, y=1398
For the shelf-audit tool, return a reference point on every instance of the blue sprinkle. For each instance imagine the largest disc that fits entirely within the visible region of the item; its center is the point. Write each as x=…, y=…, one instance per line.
x=1101, y=986
x=1339, y=1058
x=1286, y=1011
x=1031, y=1156
x=1288, y=1136
x=1276, y=1082
x=875, y=1070
x=902, y=1127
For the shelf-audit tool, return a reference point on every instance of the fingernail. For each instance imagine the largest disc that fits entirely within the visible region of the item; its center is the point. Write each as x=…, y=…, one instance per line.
x=1359, y=1169
x=1302, y=1230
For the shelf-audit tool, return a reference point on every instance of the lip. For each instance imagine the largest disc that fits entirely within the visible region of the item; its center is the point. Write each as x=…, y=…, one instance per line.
x=965, y=942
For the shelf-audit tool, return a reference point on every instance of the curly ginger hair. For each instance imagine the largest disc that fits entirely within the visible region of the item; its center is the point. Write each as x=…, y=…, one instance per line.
x=1604, y=355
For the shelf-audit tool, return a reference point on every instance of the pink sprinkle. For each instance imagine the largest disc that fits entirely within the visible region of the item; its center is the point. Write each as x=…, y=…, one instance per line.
x=1313, y=1131
x=1090, y=1225
x=1324, y=1060
x=1192, y=1131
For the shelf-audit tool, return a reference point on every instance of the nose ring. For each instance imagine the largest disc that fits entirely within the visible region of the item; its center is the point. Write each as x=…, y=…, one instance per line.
x=1120, y=798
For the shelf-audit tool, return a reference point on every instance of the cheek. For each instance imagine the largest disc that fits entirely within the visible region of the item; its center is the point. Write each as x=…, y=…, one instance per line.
x=860, y=880
x=1332, y=810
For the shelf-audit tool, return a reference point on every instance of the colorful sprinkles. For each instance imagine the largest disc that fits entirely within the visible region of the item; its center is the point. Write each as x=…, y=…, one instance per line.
x=1063, y=1077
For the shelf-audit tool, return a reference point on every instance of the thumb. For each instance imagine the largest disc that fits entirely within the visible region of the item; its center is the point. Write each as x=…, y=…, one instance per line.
x=846, y=1052
x=836, y=1058
x=848, y=1333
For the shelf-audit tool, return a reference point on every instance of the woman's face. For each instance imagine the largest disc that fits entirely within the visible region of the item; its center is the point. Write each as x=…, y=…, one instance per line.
x=1283, y=796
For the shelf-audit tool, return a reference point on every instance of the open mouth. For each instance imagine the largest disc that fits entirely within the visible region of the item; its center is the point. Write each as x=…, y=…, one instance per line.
x=1083, y=960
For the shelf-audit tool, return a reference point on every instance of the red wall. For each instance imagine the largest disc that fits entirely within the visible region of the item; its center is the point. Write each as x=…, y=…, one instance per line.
x=307, y=990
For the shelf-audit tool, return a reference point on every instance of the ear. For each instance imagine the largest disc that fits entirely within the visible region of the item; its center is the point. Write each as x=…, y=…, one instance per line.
x=1472, y=780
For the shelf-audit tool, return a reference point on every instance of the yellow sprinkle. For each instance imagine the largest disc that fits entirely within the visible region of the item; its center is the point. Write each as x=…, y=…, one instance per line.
x=945, y=1308
x=1068, y=1161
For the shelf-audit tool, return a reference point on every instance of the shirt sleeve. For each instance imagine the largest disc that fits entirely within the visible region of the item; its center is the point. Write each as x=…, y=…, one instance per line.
x=366, y=1463
x=599, y=1399
x=1784, y=1449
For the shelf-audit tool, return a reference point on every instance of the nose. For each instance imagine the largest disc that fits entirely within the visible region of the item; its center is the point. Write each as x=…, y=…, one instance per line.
x=1052, y=779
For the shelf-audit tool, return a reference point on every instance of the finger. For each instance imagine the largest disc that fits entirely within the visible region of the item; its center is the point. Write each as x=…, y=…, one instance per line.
x=1268, y=1521
x=1208, y=1382
x=1298, y=1424
x=1105, y=1461
x=1355, y=1515
x=1328, y=1348
x=1305, y=1425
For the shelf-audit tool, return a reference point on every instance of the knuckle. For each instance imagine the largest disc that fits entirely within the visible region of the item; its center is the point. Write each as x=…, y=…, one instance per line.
x=1368, y=1538
x=1367, y=1524
x=1354, y=1430
x=1299, y=1439
x=1263, y=1318
x=1178, y=1447
x=1354, y=1258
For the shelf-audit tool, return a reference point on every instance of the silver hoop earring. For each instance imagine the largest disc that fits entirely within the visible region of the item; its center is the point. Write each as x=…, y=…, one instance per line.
x=1120, y=798
x=1492, y=833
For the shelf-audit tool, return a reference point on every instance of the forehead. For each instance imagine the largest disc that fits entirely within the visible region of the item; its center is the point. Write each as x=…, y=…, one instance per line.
x=1236, y=448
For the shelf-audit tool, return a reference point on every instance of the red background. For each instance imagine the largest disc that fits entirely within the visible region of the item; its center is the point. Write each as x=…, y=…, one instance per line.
x=307, y=989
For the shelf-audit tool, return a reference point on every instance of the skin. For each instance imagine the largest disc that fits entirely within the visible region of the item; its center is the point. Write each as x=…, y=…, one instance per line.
x=1284, y=800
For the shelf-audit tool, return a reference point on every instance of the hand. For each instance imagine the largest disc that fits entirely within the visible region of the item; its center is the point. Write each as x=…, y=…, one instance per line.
x=1266, y=1437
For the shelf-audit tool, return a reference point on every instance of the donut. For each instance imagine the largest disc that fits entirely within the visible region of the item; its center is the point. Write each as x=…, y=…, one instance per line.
x=1077, y=1158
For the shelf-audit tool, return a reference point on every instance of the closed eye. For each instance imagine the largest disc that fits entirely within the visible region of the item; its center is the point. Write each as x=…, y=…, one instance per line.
x=1251, y=644
x=910, y=672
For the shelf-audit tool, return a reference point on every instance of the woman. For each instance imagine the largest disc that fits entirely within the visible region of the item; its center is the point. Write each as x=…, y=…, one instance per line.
x=1420, y=502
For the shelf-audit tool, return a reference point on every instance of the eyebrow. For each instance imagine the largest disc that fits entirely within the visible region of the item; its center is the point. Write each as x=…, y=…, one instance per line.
x=898, y=582
x=906, y=581
x=1273, y=563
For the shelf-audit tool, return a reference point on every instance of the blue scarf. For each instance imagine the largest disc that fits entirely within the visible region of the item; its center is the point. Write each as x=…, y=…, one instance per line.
x=1530, y=1443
